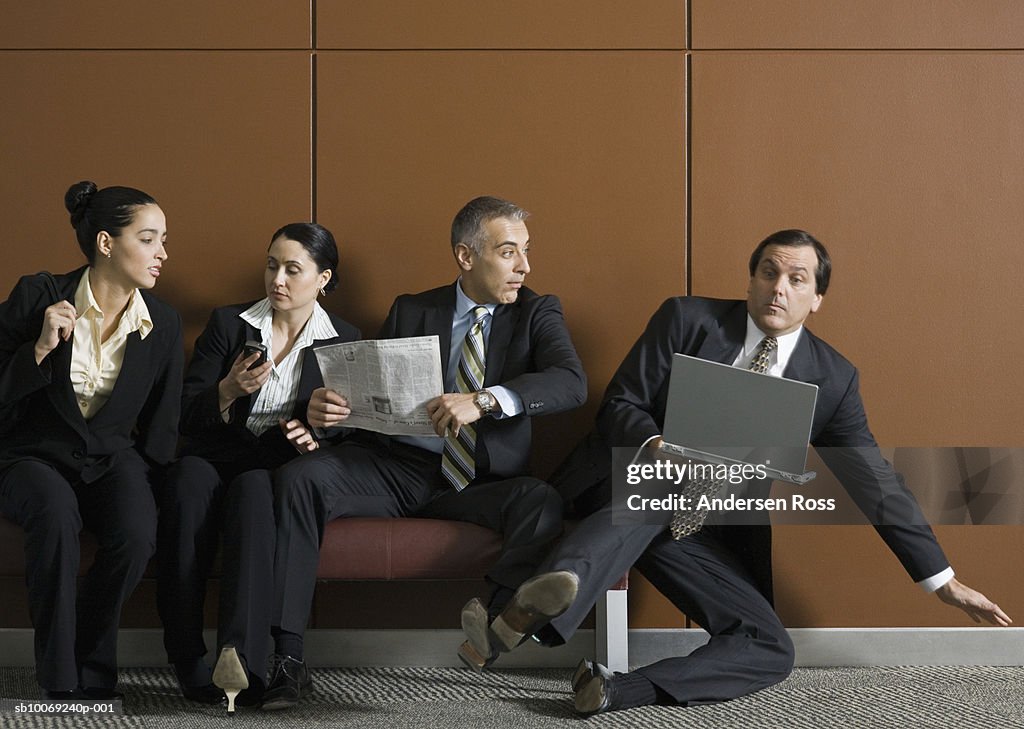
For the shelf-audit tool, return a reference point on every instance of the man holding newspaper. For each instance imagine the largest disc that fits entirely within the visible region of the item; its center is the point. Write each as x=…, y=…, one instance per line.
x=505, y=356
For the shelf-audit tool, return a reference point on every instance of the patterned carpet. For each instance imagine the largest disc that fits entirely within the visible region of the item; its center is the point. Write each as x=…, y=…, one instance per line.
x=389, y=698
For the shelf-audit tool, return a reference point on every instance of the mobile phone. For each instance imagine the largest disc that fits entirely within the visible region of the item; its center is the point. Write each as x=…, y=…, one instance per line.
x=253, y=347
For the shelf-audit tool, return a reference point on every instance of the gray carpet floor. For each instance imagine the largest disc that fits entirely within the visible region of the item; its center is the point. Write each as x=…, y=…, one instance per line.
x=389, y=698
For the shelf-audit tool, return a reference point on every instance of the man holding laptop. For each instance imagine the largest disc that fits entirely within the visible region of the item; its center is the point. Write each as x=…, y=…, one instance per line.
x=721, y=575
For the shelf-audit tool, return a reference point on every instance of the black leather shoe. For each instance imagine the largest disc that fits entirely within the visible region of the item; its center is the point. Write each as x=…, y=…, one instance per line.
x=101, y=694
x=595, y=694
x=536, y=603
x=289, y=682
x=587, y=670
x=208, y=694
x=61, y=695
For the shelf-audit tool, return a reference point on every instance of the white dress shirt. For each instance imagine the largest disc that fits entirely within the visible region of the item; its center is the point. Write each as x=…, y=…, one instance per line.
x=276, y=399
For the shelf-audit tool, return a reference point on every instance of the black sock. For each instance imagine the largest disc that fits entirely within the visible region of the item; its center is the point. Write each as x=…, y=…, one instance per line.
x=501, y=597
x=629, y=690
x=287, y=644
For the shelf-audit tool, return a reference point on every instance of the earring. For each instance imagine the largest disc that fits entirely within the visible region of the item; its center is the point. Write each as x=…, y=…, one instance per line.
x=322, y=292
x=108, y=254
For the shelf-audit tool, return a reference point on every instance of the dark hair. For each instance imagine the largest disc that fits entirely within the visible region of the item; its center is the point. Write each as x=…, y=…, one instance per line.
x=319, y=244
x=468, y=225
x=794, y=238
x=93, y=210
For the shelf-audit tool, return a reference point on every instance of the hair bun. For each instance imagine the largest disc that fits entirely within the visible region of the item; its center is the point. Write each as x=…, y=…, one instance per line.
x=77, y=198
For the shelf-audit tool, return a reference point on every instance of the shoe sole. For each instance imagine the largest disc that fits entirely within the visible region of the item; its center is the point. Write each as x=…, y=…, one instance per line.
x=229, y=675
x=537, y=601
x=476, y=652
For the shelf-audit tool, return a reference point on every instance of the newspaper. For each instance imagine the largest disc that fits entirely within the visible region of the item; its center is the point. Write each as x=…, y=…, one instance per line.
x=387, y=382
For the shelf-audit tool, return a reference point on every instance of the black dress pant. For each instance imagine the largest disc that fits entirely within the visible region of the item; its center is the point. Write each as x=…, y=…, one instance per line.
x=749, y=648
x=202, y=507
x=76, y=624
x=381, y=477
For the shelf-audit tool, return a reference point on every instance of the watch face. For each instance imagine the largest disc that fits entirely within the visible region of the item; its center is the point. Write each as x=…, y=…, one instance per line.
x=485, y=401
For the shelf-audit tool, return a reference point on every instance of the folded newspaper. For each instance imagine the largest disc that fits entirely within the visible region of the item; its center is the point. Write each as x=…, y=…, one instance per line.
x=387, y=382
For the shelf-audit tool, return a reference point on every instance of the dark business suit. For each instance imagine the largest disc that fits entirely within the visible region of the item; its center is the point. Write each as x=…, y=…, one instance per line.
x=529, y=351
x=222, y=482
x=60, y=472
x=721, y=576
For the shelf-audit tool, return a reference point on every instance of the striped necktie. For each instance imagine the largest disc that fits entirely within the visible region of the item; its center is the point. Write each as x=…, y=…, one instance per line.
x=458, y=459
x=690, y=521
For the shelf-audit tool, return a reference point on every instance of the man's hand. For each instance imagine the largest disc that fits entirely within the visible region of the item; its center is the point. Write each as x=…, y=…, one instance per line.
x=299, y=435
x=453, y=410
x=972, y=602
x=326, y=408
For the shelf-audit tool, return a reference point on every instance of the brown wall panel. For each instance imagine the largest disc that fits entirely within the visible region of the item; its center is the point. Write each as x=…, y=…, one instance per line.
x=863, y=24
x=493, y=24
x=154, y=24
x=221, y=140
x=590, y=143
x=908, y=166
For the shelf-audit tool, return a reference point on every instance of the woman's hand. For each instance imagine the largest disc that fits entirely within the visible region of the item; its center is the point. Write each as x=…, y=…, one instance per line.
x=58, y=324
x=241, y=381
x=299, y=435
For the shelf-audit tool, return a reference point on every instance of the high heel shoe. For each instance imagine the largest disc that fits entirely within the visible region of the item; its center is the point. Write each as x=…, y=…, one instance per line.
x=230, y=675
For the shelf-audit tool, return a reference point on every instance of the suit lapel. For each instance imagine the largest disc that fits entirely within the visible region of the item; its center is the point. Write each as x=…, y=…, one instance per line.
x=62, y=394
x=438, y=320
x=126, y=382
x=725, y=336
x=506, y=316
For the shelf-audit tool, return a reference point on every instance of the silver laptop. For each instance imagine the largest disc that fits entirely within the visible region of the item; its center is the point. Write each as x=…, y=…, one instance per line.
x=727, y=415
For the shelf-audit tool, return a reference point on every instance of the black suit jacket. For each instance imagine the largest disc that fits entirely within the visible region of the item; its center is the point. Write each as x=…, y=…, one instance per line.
x=633, y=410
x=141, y=415
x=529, y=351
x=205, y=432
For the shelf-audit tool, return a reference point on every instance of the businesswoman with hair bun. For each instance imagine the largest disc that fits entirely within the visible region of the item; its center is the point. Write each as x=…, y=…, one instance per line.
x=242, y=417
x=90, y=390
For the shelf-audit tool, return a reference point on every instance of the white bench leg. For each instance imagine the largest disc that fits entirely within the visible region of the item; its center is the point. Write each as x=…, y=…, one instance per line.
x=613, y=630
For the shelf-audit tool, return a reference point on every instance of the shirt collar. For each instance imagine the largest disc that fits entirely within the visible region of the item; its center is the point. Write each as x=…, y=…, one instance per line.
x=136, y=316
x=464, y=305
x=786, y=342
x=261, y=316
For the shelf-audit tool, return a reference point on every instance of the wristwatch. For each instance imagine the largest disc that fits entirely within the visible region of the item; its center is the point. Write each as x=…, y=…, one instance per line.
x=485, y=401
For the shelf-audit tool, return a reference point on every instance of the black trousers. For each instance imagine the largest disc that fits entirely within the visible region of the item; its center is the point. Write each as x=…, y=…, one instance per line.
x=749, y=648
x=76, y=624
x=204, y=506
x=386, y=478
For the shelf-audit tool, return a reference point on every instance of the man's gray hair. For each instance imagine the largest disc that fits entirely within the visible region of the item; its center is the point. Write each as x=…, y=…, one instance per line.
x=468, y=225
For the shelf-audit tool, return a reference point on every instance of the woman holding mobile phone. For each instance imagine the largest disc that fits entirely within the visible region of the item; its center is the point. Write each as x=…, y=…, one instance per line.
x=243, y=405
x=90, y=389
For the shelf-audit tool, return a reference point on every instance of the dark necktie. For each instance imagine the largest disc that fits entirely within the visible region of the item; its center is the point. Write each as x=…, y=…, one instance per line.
x=458, y=459
x=689, y=521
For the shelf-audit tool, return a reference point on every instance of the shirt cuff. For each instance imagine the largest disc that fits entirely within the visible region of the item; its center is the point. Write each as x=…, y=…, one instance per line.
x=642, y=446
x=511, y=404
x=933, y=583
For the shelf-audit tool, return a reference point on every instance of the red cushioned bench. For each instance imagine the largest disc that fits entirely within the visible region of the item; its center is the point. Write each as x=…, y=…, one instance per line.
x=367, y=548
